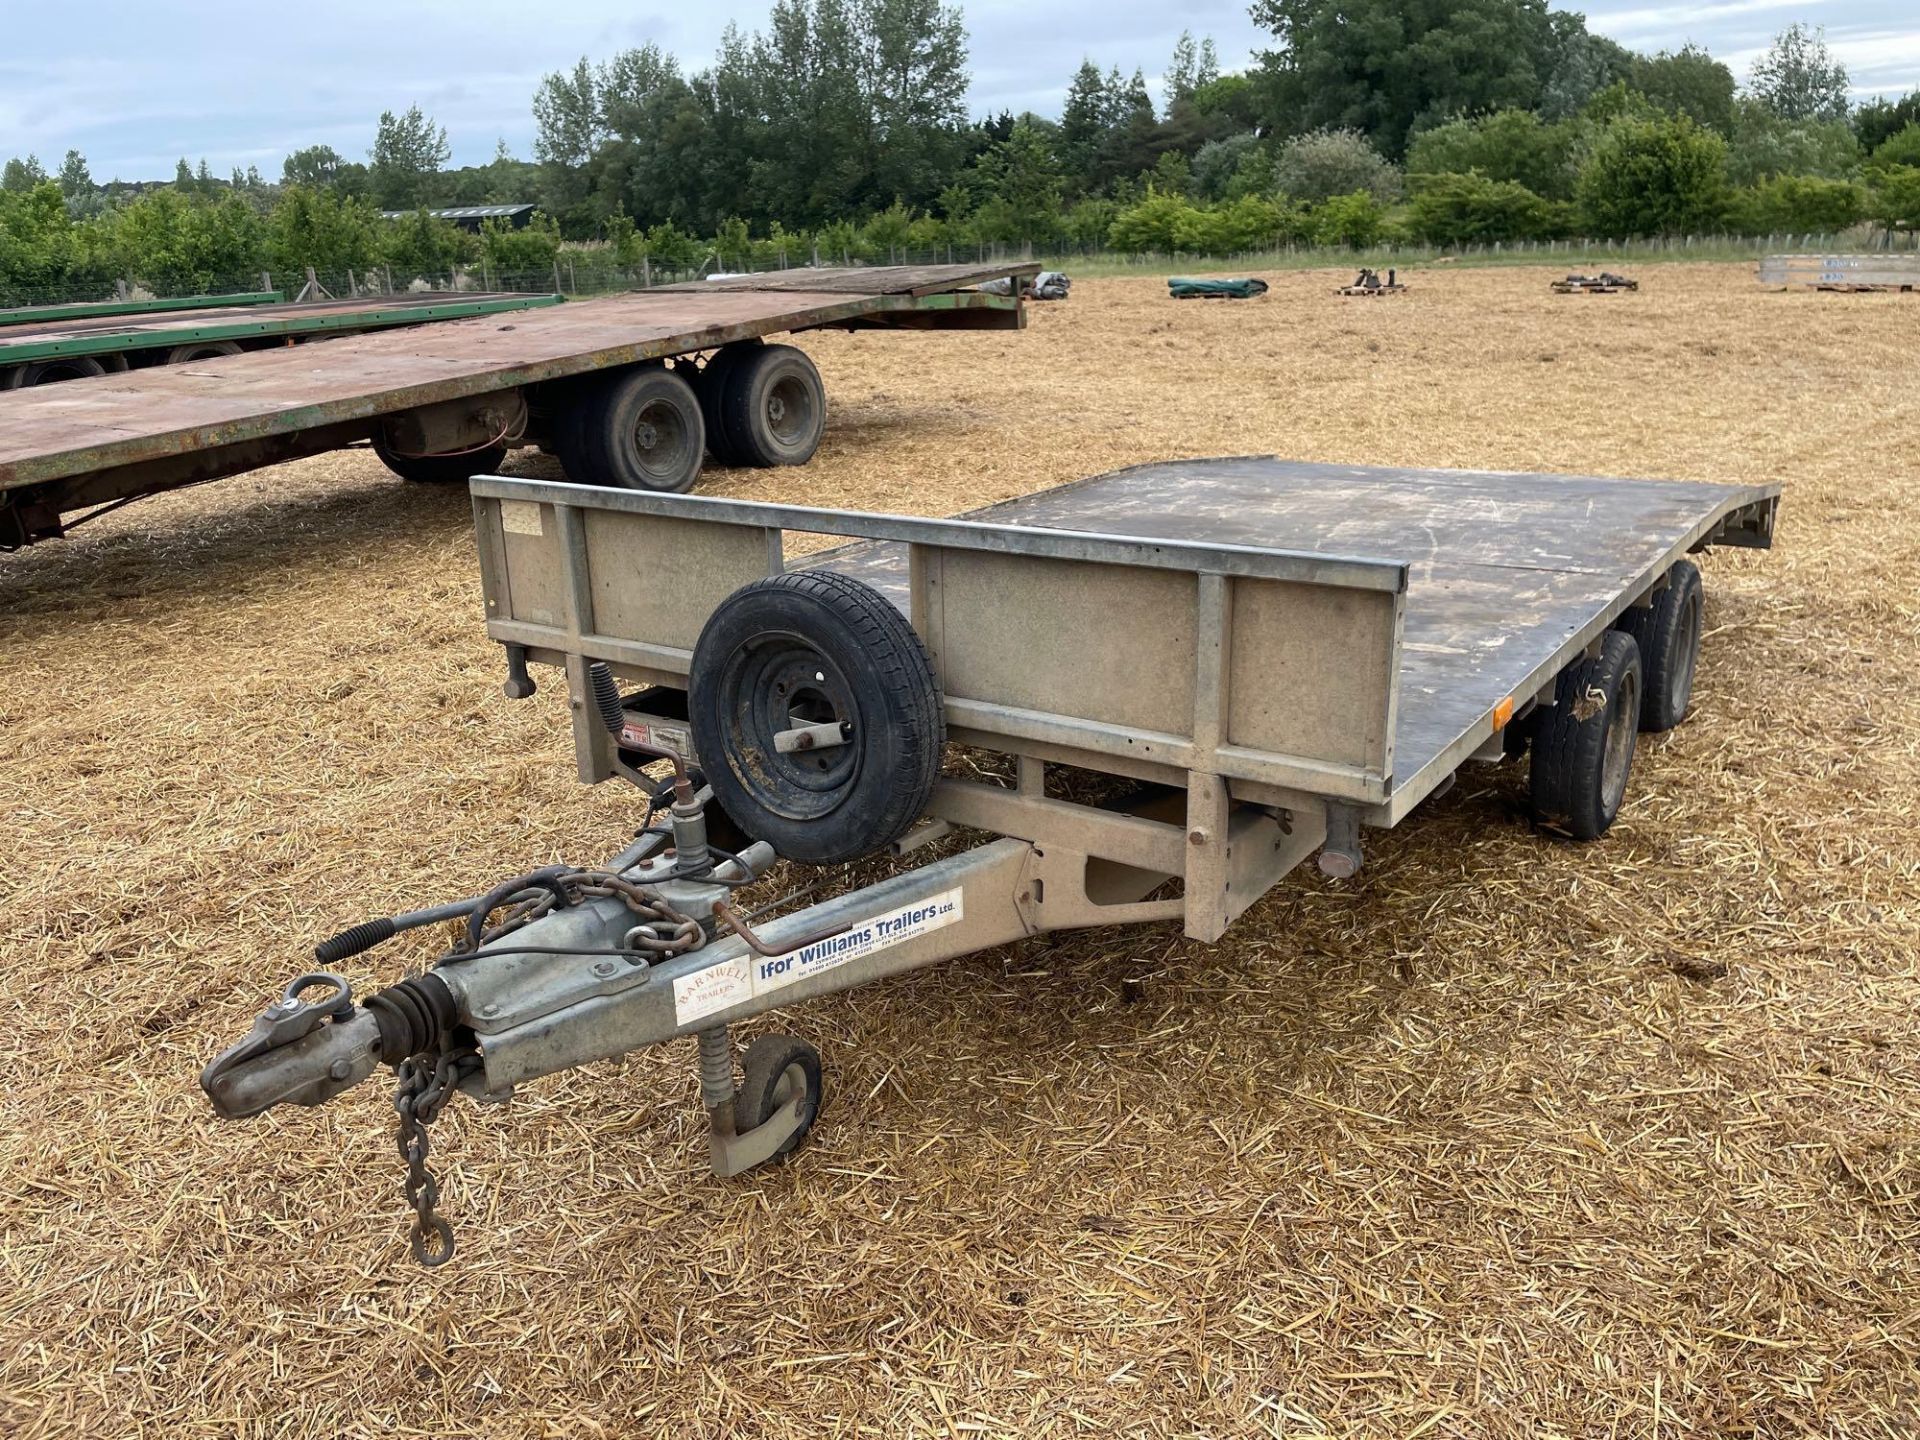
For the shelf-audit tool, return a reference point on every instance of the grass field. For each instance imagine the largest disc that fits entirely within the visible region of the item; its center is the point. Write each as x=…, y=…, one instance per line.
x=1504, y=1137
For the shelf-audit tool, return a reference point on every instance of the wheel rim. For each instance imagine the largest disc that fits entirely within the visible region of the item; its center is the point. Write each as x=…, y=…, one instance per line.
x=1687, y=632
x=1623, y=721
x=789, y=410
x=779, y=682
x=792, y=1082
x=661, y=441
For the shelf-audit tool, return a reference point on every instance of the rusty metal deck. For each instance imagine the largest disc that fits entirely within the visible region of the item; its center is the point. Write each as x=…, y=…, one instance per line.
x=112, y=421
x=1508, y=575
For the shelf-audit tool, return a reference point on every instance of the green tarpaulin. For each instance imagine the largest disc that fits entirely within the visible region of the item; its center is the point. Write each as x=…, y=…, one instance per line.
x=1185, y=288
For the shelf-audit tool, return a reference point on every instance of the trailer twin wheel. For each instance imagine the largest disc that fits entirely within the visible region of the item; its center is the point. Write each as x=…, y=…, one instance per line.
x=650, y=426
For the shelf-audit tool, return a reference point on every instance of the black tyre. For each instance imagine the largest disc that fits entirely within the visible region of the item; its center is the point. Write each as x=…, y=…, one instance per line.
x=1668, y=634
x=776, y=1068
x=643, y=431
x=201, y=350
x=1583, y=744
x=66, y=367
x=573, y=410
x=438, y=469
x=773, y=407
x=809, y=649
x=713, y=386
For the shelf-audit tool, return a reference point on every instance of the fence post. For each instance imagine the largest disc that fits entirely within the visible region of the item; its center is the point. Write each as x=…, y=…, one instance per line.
x=266, y=281
x=556, y=275
x=646, y=271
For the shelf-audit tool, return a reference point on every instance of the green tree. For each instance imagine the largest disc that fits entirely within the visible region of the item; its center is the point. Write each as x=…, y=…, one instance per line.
x=1895, y=197
x=1472, y=209
x=1900, y=148
x=421, y=247
x=1326, y=163
x=1020, y=174
x=1508, y=145
x=913, y=81
x=408, y=151
x=1582, y=66
x=1152, y=225
x=176, y=243
x=1355, y=220
x=43, y=252
x=23, y=174
x=321, y=228
x=1084, y=121
x=1766, y=144
x=76, y=182
x=1218, y=164
x=1386, y=67
x=1801, y=203
x=1798, y=78
x=317, y=167
x=1879, y=120
x=524, y=256
x=1664, y=176
x=1689, y=82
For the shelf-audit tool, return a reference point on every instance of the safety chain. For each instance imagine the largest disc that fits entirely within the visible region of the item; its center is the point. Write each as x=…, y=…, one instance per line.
x=427, y=1083
x=682, y=932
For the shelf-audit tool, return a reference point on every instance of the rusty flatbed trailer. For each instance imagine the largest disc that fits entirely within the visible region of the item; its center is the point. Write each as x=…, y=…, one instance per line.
x=55, y=346
x=1179, y=683
x=586, y=380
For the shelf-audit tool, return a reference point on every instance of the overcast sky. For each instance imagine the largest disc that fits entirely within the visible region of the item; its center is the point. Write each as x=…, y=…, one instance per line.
x=135, y=85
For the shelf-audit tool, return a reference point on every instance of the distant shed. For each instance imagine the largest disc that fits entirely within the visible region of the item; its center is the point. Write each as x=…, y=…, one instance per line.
x=472, y=217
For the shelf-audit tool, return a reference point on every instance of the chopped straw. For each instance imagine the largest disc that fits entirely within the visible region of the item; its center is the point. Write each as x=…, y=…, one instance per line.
x=1505, y=1137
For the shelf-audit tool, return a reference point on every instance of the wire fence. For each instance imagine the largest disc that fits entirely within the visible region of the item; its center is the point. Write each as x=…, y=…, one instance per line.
x=579, y=271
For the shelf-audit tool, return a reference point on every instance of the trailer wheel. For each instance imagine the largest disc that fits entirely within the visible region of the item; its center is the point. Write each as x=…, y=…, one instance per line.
x=644, y=431
x=713, y=386
x=1668, y=634
x=201, y=350
x=439, y=469
x=1583, y=745
x=805, y=652
x=65, y=367
x=774, y=407
x=776, y=1068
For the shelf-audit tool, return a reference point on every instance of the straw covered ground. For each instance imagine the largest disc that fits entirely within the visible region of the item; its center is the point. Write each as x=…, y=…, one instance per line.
x=1503, y=1138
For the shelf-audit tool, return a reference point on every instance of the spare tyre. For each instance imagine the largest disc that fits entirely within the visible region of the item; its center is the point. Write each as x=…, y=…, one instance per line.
x=817, y=715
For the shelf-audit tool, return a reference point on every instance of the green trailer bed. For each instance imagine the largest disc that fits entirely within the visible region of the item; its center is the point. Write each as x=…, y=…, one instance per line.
x=106, y=309
x=31, y=353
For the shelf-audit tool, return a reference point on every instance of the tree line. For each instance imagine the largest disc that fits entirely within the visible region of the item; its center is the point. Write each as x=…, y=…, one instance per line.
x=842, y=129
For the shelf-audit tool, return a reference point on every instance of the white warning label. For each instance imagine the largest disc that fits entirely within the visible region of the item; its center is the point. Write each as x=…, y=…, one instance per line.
x=521, y=517
x=709, y=991
x=881, y=932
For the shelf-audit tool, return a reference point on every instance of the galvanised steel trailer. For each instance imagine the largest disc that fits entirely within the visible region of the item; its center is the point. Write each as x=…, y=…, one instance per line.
x=58, y=344
x=587, y=380
x=1258, y=659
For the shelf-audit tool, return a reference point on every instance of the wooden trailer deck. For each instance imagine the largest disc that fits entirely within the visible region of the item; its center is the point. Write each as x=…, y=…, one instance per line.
x=1508, y=575
x=106, y=438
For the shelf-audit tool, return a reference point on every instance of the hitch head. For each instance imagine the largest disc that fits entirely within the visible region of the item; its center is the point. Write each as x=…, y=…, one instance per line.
x=299, y=1051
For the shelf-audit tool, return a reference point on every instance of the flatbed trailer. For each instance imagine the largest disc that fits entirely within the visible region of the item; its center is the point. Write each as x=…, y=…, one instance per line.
x=444, y=401
x=1237, y=665
x=108, y=309
x=57, y=347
